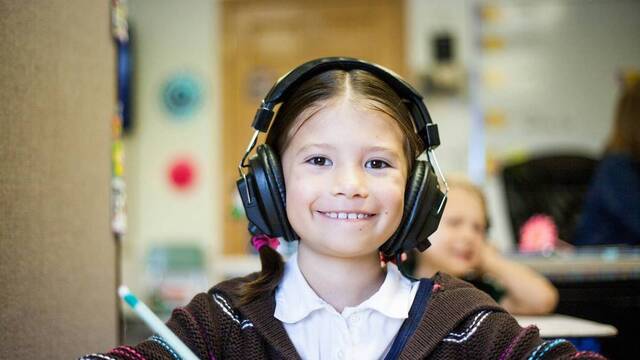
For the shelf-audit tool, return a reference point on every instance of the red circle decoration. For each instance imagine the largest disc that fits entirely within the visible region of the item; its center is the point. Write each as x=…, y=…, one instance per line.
x=182, y=173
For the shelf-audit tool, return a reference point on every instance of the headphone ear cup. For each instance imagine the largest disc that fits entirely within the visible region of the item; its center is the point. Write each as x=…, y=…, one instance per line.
x=275, y=190
x=431, y=207
x=422, y=200
x=258, y=210
x=394, y=245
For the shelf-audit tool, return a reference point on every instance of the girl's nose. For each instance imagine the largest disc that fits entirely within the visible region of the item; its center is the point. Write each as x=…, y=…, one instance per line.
x=350, y=181
x=468, y=233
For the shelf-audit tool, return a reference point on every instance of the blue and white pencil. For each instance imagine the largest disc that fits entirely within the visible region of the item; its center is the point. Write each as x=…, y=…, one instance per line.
x=155, y=324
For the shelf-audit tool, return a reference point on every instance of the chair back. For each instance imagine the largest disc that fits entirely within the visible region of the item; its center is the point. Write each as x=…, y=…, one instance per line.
x=553, y=185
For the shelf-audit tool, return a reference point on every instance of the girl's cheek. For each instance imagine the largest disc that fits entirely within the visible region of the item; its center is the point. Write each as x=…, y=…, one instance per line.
x=475, y=260
x=438, y=238
x=443, y=234
x=299, y=175
x=394, y=186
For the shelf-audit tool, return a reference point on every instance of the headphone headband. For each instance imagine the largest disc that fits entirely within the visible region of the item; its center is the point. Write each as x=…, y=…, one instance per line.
x=425, y=128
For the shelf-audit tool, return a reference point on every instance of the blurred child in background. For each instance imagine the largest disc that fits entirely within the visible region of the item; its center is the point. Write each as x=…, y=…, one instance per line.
x=459, y=247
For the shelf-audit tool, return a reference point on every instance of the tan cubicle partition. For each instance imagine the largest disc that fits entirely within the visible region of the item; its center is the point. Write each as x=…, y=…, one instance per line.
x=57, y=257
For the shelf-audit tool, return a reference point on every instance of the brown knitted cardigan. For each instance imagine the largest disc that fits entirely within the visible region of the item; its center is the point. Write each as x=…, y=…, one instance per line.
x=460, y=322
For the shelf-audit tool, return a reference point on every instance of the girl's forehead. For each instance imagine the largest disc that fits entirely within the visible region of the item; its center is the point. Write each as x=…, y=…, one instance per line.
x=465, y=200
x=346, y=119
x=462, y=194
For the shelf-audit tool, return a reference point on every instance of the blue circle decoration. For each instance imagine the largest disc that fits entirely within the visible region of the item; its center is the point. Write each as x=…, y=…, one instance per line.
x=182, y=95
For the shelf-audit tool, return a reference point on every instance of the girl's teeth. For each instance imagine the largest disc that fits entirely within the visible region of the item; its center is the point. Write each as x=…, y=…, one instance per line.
x=342, y=215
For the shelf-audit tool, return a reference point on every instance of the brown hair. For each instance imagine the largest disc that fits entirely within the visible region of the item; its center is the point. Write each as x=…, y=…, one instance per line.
x=625, y=135
x=303, y=103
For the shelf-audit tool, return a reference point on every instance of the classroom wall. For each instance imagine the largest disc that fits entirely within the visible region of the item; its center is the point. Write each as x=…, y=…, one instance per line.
x=172, y=40
x=425, y=19
x=57, y=264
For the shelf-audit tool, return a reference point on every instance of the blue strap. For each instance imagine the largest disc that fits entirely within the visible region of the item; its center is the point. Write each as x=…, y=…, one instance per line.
x=411, y=323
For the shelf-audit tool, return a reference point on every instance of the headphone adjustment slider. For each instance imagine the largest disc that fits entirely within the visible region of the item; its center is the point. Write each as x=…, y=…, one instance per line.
x=242, y=164
x=430, y=136
x=262, y=119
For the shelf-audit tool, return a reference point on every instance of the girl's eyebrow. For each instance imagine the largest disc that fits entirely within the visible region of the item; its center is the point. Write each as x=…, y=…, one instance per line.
x=382, y=149
x=319, y=145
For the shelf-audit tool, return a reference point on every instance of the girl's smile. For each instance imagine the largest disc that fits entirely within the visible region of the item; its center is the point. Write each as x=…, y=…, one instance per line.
x=349, y=216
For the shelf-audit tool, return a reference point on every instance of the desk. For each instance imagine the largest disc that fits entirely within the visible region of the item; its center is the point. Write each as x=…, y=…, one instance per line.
x=563, y=326
x=585, y=265
x=602, y=285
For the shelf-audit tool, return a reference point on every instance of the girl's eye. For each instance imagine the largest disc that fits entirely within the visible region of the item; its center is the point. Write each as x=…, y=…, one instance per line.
x=479, y=228
x=377, y=164
x=454, y=222
x=319, y=161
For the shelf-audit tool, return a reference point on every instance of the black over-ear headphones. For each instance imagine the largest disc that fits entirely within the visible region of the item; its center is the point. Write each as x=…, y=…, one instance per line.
x=262, y=188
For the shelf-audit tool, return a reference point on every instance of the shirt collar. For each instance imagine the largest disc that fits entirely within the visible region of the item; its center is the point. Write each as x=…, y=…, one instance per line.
x=394, y=298
x=295, y=299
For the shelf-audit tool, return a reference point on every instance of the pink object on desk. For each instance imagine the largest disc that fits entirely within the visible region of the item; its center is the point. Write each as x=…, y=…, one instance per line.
x=538, y=234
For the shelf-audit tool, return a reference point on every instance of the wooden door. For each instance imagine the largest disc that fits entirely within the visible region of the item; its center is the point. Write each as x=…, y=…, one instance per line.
x=263, y=39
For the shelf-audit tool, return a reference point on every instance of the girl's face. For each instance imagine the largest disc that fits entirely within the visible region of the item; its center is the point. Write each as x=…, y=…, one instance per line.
x=345, y=172
x=456, y=245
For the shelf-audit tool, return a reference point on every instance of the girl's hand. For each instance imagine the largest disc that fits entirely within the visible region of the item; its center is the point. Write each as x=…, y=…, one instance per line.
x=527, y=292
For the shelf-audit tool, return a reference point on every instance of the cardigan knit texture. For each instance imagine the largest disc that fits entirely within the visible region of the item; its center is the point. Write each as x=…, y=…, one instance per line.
x=459, y=322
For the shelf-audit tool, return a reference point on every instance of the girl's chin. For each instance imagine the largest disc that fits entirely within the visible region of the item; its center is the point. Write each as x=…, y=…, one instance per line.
x=342, y=247
x=461, y=269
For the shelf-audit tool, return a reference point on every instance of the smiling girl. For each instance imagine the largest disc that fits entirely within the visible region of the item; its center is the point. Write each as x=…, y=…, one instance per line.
x=339, y=174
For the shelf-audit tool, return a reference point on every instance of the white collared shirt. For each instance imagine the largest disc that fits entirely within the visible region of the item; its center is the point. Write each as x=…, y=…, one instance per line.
x=365, y=331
